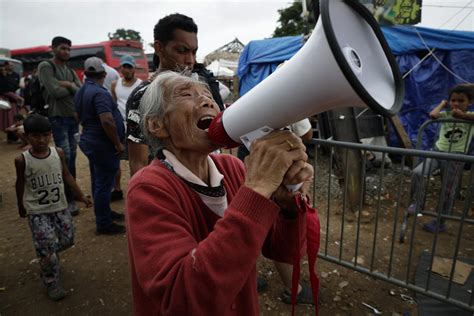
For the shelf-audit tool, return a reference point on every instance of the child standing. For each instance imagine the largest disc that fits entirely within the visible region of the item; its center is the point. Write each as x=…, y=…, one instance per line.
x=453, y=138
x=40, y=173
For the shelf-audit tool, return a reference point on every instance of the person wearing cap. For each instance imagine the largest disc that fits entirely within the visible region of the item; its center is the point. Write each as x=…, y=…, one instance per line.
x=123, y=87
x=121, y=90
x=101, y=141
x=60, y=85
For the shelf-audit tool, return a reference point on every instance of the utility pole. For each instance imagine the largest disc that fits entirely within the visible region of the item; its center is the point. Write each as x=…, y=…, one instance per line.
x=305, y=16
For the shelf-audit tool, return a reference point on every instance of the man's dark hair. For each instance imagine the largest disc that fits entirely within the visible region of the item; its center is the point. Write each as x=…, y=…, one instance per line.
x=164, y=29
x=58, y=40
x=36, y=123
x=467, y=90
x=95, y=75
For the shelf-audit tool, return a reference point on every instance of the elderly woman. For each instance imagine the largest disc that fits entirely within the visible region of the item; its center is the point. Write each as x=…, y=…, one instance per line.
x=198, y=221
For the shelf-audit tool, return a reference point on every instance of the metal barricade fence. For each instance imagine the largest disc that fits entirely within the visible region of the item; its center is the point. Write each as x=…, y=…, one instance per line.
x=368, y=244
x=422, y=130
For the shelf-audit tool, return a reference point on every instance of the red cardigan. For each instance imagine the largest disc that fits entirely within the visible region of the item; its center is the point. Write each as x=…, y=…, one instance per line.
x=186, y=260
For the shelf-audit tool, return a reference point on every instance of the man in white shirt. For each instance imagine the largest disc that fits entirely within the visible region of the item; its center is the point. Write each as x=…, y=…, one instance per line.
x=121, y=90
x=111, y=76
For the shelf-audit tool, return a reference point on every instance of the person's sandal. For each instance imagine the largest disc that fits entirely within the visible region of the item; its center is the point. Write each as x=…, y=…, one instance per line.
x=433, y=226
x=56, y=292
x=116, y=195
x=304, y=297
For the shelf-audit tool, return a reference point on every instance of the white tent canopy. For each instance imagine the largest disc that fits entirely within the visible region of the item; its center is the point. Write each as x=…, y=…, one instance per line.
x=228, y=63
x=220, y=70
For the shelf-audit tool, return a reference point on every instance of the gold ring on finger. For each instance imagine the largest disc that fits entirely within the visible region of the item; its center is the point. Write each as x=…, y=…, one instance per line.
x=289, y=144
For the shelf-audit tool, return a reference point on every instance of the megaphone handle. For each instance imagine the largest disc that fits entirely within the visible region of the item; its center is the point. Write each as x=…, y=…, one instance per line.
x=248, y=139
x=294, y=187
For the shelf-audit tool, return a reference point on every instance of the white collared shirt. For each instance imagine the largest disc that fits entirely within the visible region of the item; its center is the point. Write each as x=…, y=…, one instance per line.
x=217, y=204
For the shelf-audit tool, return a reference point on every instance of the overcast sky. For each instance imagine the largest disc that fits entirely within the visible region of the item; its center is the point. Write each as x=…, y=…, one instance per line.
x=35, y=22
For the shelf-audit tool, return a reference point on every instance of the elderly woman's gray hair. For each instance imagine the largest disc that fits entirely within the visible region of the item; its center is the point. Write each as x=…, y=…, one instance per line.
x=153, y=100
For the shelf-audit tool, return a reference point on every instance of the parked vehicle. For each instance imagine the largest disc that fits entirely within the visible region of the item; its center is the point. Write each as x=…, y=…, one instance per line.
x=109, y=51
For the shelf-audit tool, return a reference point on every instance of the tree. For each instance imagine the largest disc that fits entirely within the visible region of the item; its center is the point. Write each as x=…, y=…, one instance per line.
x=123, y=34
x=291, y=20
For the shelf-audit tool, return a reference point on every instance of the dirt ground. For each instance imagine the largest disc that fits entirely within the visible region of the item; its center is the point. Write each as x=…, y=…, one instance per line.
x=95, y=270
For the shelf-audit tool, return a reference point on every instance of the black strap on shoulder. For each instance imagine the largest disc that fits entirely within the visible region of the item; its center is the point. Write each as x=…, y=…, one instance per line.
x=212, y=82
x=52, y=65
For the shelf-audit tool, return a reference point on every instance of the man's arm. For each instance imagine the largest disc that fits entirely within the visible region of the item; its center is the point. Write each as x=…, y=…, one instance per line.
x=76, y=80
x=137, y=147
x=104, y=106
x=108, y=124
x=112, y=90
x=53, y=86
x=308, y=136
x=303, y=129
x=137, y=156
x=463, y=115
x=73, y=85
x=69, y=180
x=20, y=184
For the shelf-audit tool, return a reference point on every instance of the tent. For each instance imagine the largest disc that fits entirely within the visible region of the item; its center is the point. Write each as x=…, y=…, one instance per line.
x=450, y=63
x=261, y=57
x=428, y=82
x=219, y=70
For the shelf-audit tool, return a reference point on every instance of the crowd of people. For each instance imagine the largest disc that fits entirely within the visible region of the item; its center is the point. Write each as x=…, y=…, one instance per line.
x=159, y=125
x=196, y=219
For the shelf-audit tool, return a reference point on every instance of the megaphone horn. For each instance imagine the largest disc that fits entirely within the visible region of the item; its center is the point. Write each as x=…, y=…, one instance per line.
x=345, y=62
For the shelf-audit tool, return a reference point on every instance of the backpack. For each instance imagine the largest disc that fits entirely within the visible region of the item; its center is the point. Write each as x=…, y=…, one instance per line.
x=34, y=94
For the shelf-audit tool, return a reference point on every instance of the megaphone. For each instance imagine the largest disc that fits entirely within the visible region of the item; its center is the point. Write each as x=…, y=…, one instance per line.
x=345, y=62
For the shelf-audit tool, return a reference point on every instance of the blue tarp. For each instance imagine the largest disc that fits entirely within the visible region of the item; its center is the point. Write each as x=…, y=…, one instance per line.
x=409, y=39
x=425, y=87
x=260, y=58
x=452, y=63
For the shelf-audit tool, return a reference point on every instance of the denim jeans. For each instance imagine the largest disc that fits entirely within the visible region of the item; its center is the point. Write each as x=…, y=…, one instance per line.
x=64, y=129
x=103, y=168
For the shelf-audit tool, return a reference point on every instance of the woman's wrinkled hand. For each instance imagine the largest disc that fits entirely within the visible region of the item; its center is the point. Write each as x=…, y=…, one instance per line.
x=271, y=158
x=299, y=172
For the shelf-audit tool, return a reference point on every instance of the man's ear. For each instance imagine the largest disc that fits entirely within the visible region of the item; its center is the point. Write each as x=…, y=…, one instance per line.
x=157, y=128
x=158, y=46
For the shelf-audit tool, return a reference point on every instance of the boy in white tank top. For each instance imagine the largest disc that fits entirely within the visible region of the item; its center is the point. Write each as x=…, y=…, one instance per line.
x=41, y=173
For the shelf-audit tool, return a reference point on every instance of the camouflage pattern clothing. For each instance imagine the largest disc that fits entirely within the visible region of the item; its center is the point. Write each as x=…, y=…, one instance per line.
x=52, y=233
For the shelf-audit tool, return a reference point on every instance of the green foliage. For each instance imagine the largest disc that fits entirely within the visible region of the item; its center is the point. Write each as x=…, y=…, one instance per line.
x=123, y=34
x=291, y=21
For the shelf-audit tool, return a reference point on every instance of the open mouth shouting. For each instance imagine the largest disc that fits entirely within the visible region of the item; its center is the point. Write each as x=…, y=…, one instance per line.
x=204, y=122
